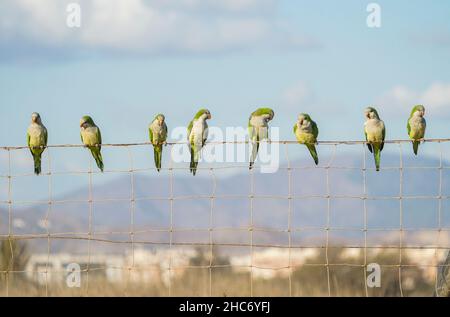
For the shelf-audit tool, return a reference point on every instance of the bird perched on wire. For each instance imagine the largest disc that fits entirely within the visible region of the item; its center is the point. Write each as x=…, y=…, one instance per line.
x=92, y=139
x=37, y=140
x=197, y=133
x=375, y=132
x=158, y=136
x=306, y=132
x=416, y=126
x=258, y=129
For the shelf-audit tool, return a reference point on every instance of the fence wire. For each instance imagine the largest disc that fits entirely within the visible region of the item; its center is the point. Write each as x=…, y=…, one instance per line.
x=173, y=265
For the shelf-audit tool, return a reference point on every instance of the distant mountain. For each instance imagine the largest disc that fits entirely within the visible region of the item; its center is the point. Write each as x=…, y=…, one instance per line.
x=113, y=207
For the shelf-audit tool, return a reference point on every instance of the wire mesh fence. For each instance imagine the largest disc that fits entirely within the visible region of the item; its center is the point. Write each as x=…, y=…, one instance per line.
x=164, y=255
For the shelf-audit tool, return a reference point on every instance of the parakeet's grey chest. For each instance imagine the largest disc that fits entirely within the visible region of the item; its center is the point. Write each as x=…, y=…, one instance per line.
x=417, y=124
x=90, y=136
x=37, y=134
x=374, y=129
x=159, y=132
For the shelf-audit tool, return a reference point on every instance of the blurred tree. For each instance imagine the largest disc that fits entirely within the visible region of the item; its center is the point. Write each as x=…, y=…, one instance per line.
x=14, y=256
x=443, y=280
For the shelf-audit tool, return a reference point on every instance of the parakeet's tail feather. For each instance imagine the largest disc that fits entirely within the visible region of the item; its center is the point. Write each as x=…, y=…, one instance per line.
x=376, y=155
x=158, y=157
x=194, y=161
x=194, y=168
x=416, y=147
x=312, y=150
x=37, y=164
x=98, y=158
x=255, y=149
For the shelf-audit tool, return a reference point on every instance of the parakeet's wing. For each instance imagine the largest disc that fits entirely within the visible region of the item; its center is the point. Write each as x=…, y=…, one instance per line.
x=205, y=135
x=99, y=136
x=368, y=144
x=165, y=131
x=295, y=128
x=384, y=135
x=250, y=128
x=408, y=127
x=45, y=136
x=315, y=129
x=150, y=134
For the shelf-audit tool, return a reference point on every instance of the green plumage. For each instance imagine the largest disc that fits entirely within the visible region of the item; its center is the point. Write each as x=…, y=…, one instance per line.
x=97, y=156
x=416, y=126
x=92, y=139
x=158, y=136
x=37, y=138
x=307, y=134
x=197, y=133
x=258, y=130
x=377, y=155
x=375, y=133
x=194, y=160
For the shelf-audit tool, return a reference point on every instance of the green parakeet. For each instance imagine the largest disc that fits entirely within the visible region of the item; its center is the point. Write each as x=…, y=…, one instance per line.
x=258, y=129
x=197, y=133
x=416, y=126
x=37, y=140
x=306, y=132
x=375, y=132
x=92, y=139
x=158, y=136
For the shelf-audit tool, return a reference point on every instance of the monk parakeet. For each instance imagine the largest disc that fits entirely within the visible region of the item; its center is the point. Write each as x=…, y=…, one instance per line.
x=158, y=136
x=258, y=129
x=37, y=140
x=416, y=126
x=92, y=139
x=197, y=133
x=375, y=134
x=306, y=132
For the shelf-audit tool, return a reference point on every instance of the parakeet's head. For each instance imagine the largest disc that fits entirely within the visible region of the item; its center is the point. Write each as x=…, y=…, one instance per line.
x=86, y=121
x=271, y=115
x=371, y=113
x=266, y=113
x=160, y=118
x=203, y=114
x=303, y=117
x=36, y=118
x=418, y=110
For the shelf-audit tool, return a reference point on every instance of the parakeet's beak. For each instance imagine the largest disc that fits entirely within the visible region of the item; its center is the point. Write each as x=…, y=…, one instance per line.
x=209, y=116
x=82, y=124
x=300, y=122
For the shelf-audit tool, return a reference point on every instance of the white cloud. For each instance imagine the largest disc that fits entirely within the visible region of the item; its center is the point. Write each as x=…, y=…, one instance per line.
x=435, y=98
x=148, y=27
x=298, y=94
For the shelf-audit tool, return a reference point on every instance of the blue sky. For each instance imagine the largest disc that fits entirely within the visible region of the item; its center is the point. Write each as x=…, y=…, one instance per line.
x=133, y=59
